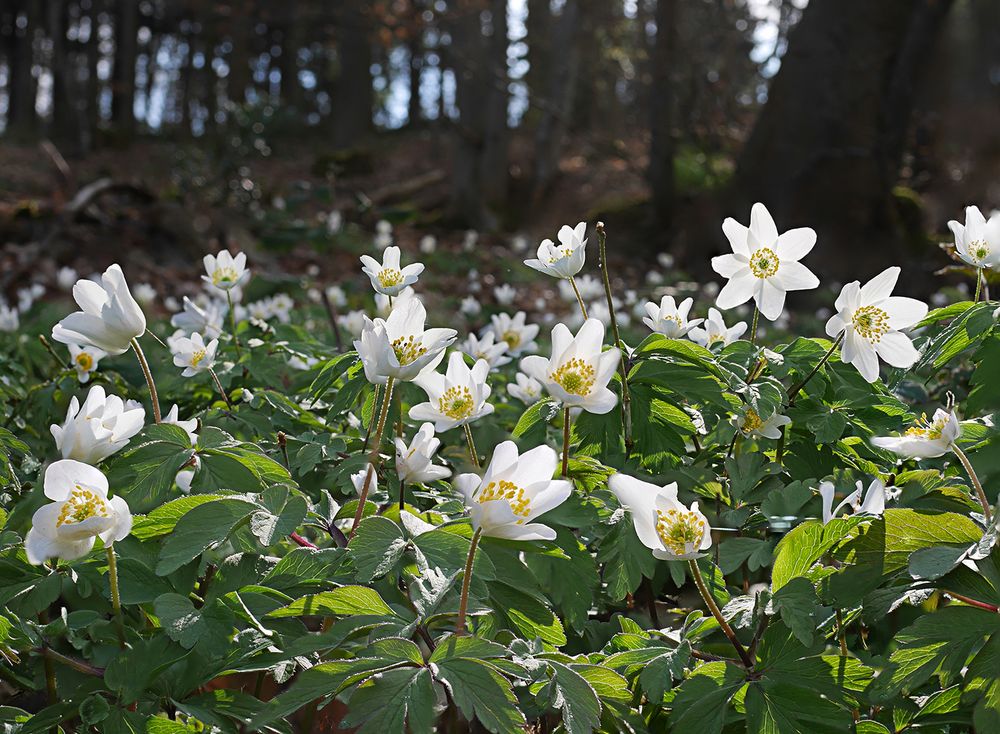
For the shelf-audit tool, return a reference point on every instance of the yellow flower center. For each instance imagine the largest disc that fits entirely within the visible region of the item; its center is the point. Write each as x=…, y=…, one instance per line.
x=751, y=421
x=520, y=504
x=764, y=263
x=927, y=430
x=456, y=403
x=85, y=361
x=678, y=530
x=83, y=503
x=512, y=338
x=408, y=349
x=979, y=250
x=871, y=322
x=575, y=377
x=674, y=319
x=389, y=277
x=224, y=276
x=197, y=356
x=560, y=253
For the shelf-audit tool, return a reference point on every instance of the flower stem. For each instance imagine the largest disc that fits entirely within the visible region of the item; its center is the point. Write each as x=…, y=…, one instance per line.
x=841, y=637
x=979, y=284
x=826, y=357
x=753, y=326
x=973, y=602
x=980, y=494
x=48, y=346
x=331, y=314
x=232, y=322
x=116, y=598
x=374, y=457
x=472, y=446
x=566, y=429
x=717, y=613
x=579, y=298
x=602, y=238
x=301, y=542
x=153, y=395
x=463, y=602
x=222, y=392
x=368, y=432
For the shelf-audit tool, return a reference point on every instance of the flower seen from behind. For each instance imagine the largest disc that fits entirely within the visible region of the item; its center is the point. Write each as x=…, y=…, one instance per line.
x=97, y=429
x=109, y=319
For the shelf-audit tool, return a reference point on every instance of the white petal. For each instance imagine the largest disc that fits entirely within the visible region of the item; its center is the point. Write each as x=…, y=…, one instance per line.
x=737, y=291
x=762, y=227
x=796, y=243
x=794, y=276
x=880, y=286
x=897, y=349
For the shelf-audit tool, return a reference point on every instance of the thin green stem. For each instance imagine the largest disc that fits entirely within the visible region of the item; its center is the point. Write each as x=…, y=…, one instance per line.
x=753, y=326
x=980, y=494
x=374, y=457
x=116, y=598
x=826, y=357
x=566, y=429
x=472, y=446
x=841, y=636
x=717, y=613
x=979, y=284
x=222, y=391
x=368, y=432
x=153, y=395
x=232, y=322
x=48, y=346
x=579, y=298
x=602, y=238
x=463, y=603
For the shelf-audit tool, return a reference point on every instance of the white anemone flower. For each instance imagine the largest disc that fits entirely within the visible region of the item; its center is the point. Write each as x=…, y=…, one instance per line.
x=871, y=320
x=358, y=480
x=80, y=512
x=978, y=240
x=193, y=354
x=470, y=306
x=110, y=317
x=226, y=271
x=207, y=319
x=399, y=347
x=578, y=372
x=752, y=425
x=662, y=523
x=173, y=418
x=669, y=318
x=566, y=259
x=415, y=463
x=763, y=265
x=457, y=397
x=873, y=503
x=526, y=389
x=384, y=305
x=388, y=277
x=504, y=294
x=353, y=322
x=85, y=360
x=513, y=491
x=97, y=429
x=714, y=331
x=519, y=335
x=925, y=439
x=493, y=353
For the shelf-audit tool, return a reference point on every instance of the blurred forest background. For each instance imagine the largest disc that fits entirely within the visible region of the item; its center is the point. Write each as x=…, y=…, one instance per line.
x=171, y=127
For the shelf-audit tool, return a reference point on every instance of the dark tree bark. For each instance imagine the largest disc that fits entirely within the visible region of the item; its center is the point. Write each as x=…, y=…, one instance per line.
x=289, y=29
x=539, y=38
x=415, y=51
x=123, y=72
x=353, y=97
x=239, y=59
x=21, y=113
x=494, y=170
x=92, y=89
x=661, y=148
x=64, y=128
x=823, y=152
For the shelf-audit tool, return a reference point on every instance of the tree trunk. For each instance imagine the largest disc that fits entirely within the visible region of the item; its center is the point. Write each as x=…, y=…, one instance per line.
x=92, y=88
x=21, y=113
x=239, y=59
x=353, y=97
x=494, y=169
x=822, y=146
x=64, y=128
x=123, y=74
x=415, y=51
x=539, y=38
x=661, y=148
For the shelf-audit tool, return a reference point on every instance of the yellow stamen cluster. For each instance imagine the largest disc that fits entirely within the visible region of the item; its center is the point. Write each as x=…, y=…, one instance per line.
x=675, y=319
x=197, y=356
x=520, y=503
x=927, y=430
x=560, y=253
x=512, y=338
x=85, y=361
x=408, y=349
x=678, y=530
x=82, y=504
x=390, y=277
x=871, y=322
x=575, y=377
x=456, y=403
x=751, y=421
x=764, y=263
x=224, y=275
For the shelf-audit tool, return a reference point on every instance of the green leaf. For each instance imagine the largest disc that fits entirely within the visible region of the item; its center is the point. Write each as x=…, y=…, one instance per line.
x=164, y=518
x=143, y=473
x=397, y=700
x=133, y=671
x=283, y=512
x=702, y=700
x=377, y=546
x=529, y=617
x=796, y=603
x=778, y=707
x=659, y=673
x=188, y=626
x=479, y=690
x=533, y=420
x=570, y=692
x=199, y=529
x=345, y=600
x=240, y=467
x=625, y=559
x=803, y=546
x=570, y=581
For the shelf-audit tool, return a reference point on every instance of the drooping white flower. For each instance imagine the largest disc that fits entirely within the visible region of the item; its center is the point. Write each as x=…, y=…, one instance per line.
x=662, y=523
x=399, y=347
x=415, y=463
x=578, y=372
x=871, y=320
x=388, y=277
x=358, y=480
x=66, y=277
x=977, y=242
x=470, y=306
x=193, y=354
x=110, y=317
x=519, y=336
x=513, y=491
x=207, y=319
x=455, y=398
x=226, y=271
x=173, y=418
x=925, y=439
x=566, y=259
x=752, y=426
x=484, y=348
x=763, y=265
x=80, y=512
x=97, y=429
x=504, y=294
x=85, y=360
x=714, y=331
x=670, y=319
x=873, y=503
x=526, y=389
